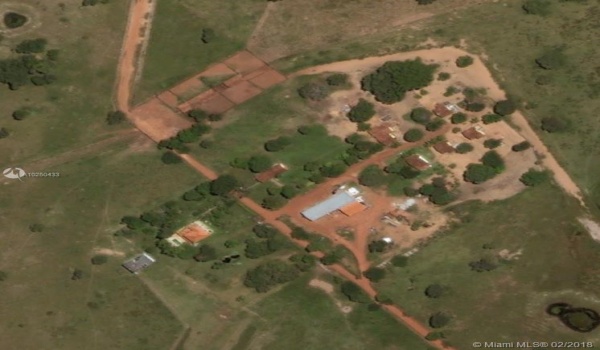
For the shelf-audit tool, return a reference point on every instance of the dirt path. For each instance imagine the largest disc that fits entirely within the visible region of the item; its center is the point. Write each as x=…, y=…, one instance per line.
x=477, y=72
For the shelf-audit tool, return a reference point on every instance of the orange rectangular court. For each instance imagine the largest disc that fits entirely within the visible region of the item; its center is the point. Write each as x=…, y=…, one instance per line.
x=158, y=121
x=244, y=62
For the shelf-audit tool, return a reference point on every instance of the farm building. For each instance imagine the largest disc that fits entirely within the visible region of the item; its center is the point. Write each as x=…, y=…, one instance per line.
x=139, y=262
x=475, y=132
x=384, y=134
x=445, y=109
x=190, y=234
x=272, y=173
x=444, y=147
x=342, y=199
x=418, y=162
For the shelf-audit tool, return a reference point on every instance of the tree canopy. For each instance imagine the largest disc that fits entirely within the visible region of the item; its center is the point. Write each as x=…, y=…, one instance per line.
x=552, y=58
x=267, y=275
x=354, y=293
x=372, y=176
x=534, y=177
x=421, y=115
x=464, y=61
x=32, y=46
x=259, y=163
x=375, y=274
x=413, y=135
x=505, y=107
x=223, y=185
x=478, y=173
x=362, y=111
x=390, y=82
x=170, y=158
x=314, y=91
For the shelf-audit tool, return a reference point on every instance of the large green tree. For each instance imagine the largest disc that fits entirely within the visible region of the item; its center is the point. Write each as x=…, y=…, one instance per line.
x=223, y=185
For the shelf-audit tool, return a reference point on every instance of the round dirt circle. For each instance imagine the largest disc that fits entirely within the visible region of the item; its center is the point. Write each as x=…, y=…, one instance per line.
x=32, y=15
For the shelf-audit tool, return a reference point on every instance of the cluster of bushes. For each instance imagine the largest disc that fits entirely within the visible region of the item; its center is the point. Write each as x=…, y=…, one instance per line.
x=491, y=165
x=320, y=90
x=401, y=168
x=437, y=191
x=270, y=241
x=190, y=135
x=390, y=82
x=464, y=61
x=317, y=243
x=277, y=144
x=29, y=67
x=425, y=117
x=534, y=177
x=278, y=196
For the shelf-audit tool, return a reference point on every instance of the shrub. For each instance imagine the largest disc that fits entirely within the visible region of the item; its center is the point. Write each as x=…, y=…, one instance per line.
x=32, y=46
x=384, y=299
x=399, y=261
x=458, y=118
x=505, y=107
x=338, y=79
x=413, y=135
x=315, y=129
x=14, y=20
x=438, y=320
x=478, y=173
x=374, y=274
x=36, y=227
x=115, y=117
x=521, y=146
x=435, y=291
x=378, y=246
x=537, y=7
x=421, y=115
x=4, y=133
x=475, y=107
x=198, y=115
x=492, y=143
x=552, y=58
x=390, y=82
x=223, y=185
x=206, y=144
x=410, y=191
x=435, y=125
x=425, y=2
x=354, y=293
x=464, y=61
x=372, y=176
x=170, y=158
x=363, y=111
x=482, y=265
x=289, y=191
x=260, y=163
x=313, y=91
x=442, y=76
x=464, y=147
x=208, y=35
x=277, y=144
x=362, y=126
x=493, y=160
x=53, y=55
x=491, y=118
x=534, y=177
x=99, y=259
x=21, y=113
x=553, y=124
x=431, y=336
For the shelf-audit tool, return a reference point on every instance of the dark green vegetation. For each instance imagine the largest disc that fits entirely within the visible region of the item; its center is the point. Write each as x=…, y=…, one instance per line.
x=413, y=135
x=491, y=165
x=14, y=20
x=464, y=61
x=390, y=82
x=362, y=111
x=205, y=32
x=579, y=319
x=534, y=177
x=26, y=69
x=516, y=282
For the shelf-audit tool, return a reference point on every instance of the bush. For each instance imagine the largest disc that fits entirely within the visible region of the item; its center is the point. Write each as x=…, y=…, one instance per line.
x=115, y=117
x=435, y=291
x=491, y=118
x=338, y=79
x=277, y=144
x=260, y=163
x=4, y=133
x=390, y=82
x=198, y=115
x=99, y=259
x=431, y=336
x=478, y=173
x=313, y=91
x=464, y=61
x=475, y=107
x=425, y=2
x=505, y=107
x=267, y=275
x=362, y=126
x=438, y=320
x=421, y=115
x=289, y=191
x=36, y=227
x=206, y=144
x=482, y=265
x=315, y=129
x=553, y=124
x=413, y=135
x=521, y=146
x=53, y=55
x=399, y=261
x=410, y=191
x=21, y=113
x=333, y=170
x=458, y=118
x=492, y=143
x=32, y=46
x=208, y=35
x=552, y=58
x=464, y=147
x=223, y=185
x=435, y=124
x=374, y=274
x=274, y=202
x=14, y=20
x=378, y=246
x=354, y=293
x=363, y=111
x=170, y=158
x=443, y=76
x=264, y=231
x=372, y=176
x=534, y=177
x=537, y=7
x=493, y=160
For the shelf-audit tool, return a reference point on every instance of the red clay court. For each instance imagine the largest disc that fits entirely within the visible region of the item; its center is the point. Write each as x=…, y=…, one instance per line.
x=158, y=121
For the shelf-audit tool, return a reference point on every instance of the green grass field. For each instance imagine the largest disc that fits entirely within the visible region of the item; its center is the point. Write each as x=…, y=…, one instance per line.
x=176, y=50
x=554, y=260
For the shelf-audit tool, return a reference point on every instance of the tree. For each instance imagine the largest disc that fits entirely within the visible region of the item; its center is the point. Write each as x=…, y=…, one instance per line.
x=115, y=117
x=493, y=160
x=208, y=35
x=223, y=185
x=478, y=173
x=316, y=129
x=435, y=124
x=260, y=163
x=362, y=111
x=435, y=291
x=313, y=91
x=273, y=202
x=534, y=177
x=99, y=259
x=378, y=246
x=277, y=144
x=32, y=46
x=464, y=61
x=421, y=115
x=264, y=231
x=77, y=274
x=4, y=133
x=354, y=293
x=263, y=277
x=330, y=259
x=537, y=7
x=289, y=191
x=303, y=261
x=482, y=265
x=338, y=79
x=170, y=158
x=505, y=107
x=438, y=320
x=372, y=176
x=464, y=147
x=413, y=135
x=443, y=76
x=374, y=274
x=333, y=170
x=521, y=146
x=390, y=82
x=458, y=118
x=21, y=113
x=14, y=20
x=492, y=143
x=552, y=58
x=37, y=227
x=206, y=253
x=553, y=124
x=491, y=118
x=475, y=107
x=300, y=234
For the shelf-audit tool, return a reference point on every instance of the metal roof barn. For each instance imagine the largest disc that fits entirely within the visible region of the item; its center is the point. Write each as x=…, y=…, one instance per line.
x=328, y=206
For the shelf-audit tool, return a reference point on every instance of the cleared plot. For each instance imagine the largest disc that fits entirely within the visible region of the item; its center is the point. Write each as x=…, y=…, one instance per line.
x=241, y=92
x=79, y=211
x=210, y=101
x=541, y=253
x=244, y=62
x=158, y=121
x=176, y=50
x=267, y=79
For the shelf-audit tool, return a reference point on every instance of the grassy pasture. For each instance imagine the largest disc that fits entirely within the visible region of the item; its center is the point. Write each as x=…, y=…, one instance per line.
x=43, y=307
x=72, y=111
x=176, y=50
x=554, y=260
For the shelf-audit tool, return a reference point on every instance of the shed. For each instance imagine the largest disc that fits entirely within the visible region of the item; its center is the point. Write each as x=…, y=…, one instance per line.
x=475, y=132
x=328, y=206
x=272, y=173
x=418, y=162
x=139, y=262
x=444, y=147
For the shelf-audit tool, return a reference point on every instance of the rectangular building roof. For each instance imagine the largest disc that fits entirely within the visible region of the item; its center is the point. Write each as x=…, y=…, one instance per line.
x=328, y=206
x=139, y=262
x=353, y=208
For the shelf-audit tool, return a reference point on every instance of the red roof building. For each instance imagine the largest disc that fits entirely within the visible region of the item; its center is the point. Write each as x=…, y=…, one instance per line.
x=444, y=147
x=384, y=134
x=272, y=173
x=445, y=109
x=418, y=162
x=475, y=132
